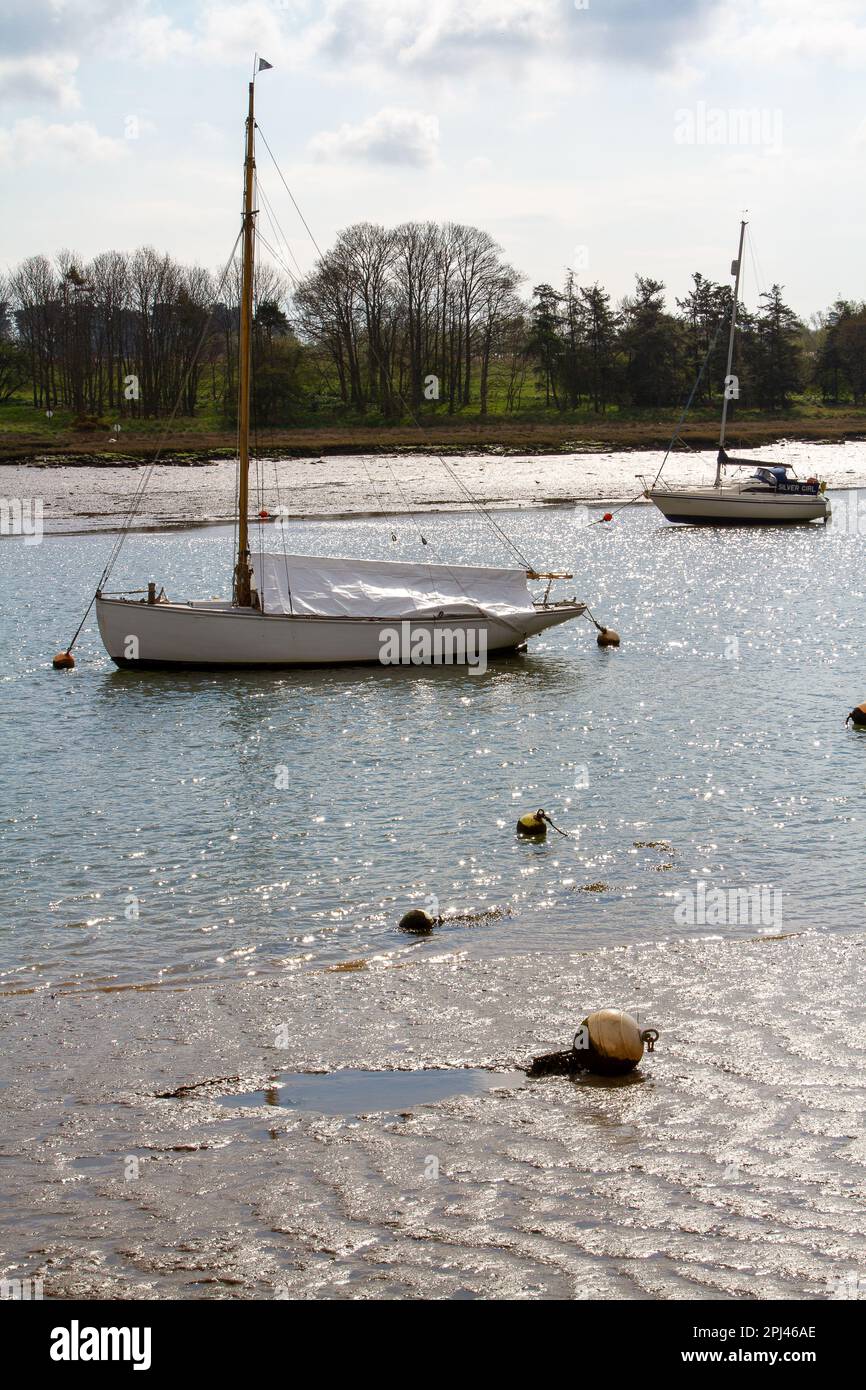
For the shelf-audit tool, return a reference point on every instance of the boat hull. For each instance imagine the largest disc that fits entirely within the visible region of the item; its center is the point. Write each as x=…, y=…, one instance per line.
x=219, y=636
x=718, y=507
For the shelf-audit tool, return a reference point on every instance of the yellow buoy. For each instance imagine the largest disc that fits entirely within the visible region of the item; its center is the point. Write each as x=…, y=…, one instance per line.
x=607, y=637
x=858, y=715
x=610, y=1042
x=533, y=826
x=417, y=920
x=63, y=661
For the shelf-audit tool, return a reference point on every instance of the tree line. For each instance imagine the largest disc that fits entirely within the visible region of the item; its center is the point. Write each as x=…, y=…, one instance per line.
x=424, y=318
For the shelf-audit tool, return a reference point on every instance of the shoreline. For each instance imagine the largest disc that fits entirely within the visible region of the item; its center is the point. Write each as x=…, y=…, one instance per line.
x=195, y=448
x=79, y=499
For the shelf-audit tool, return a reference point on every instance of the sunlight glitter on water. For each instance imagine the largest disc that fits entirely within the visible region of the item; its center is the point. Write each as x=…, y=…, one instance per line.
x=142, y=809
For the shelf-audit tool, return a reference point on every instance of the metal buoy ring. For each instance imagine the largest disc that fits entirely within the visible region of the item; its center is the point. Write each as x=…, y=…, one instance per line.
x=650, y=1036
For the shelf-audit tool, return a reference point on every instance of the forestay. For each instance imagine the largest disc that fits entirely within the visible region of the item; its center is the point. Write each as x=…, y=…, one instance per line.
x=321, y=586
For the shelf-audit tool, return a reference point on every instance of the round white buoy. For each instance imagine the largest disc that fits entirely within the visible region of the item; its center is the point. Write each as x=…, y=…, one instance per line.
x=610, y=1042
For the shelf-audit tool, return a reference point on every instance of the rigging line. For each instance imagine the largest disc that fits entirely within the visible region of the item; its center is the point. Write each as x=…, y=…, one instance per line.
x=482, y=510
x=275, y=219
x=688, y=404
x=289, y=191
x=138, y=495
x=451, y=568
x=262, y=240
x=475, y=502
x=386, y=511
x=409, y=510
x=256, y=454
x=260, y=480
x=275, y=251
x=622, y=506
x=759, y=279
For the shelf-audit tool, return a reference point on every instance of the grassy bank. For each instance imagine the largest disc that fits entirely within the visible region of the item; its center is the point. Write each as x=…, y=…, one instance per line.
x=27, y=436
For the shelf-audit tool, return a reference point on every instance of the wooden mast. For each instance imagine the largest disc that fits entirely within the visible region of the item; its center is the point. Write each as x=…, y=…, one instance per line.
x=735, y=271
x=243, y=589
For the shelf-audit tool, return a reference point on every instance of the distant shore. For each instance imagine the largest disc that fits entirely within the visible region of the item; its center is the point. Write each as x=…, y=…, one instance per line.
x=95, y=493
x=188, y=445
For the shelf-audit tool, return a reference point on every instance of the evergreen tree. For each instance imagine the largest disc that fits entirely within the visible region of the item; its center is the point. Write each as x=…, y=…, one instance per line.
x=772, y=353
x=650, y=340
x=706, y=312
x=543, y=344
x=599, y=325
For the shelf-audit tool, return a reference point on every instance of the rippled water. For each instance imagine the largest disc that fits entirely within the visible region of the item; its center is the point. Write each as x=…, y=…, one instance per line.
x=145, y=842
x=144, y=837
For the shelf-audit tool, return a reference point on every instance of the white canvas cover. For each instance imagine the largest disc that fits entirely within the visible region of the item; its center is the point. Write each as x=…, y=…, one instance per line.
x=326, y=587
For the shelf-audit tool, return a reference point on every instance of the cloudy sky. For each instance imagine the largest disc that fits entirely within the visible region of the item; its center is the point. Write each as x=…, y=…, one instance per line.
x=612, y=135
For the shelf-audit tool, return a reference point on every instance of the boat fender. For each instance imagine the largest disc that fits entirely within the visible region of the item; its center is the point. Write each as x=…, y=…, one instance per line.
x=607, y=637
x=63, y=661
x=857, y=715
x=418, y=921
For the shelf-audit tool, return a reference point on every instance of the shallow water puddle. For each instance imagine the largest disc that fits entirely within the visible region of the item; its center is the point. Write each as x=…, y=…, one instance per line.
x=354, y=1092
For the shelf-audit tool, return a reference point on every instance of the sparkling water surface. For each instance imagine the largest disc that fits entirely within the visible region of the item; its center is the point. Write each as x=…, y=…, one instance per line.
x=147, y=838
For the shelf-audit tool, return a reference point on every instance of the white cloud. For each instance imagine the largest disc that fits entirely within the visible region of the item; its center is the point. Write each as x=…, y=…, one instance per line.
x=54, y=26
x=223, y=33
x=155, y=38
x=428, y=37
x=775, y=31
x=449, y=35
x=33, y=141
x=47, y=77
x=395, y=135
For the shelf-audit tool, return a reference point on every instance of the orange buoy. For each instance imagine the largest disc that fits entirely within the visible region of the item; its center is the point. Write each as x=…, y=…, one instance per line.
x=608, y=516
x=264, y=514
x=858, y=715
x=608, y=638
x=63, y=661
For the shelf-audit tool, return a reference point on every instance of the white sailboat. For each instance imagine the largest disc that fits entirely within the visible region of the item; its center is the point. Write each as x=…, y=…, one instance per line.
x=770, y=495
x=297, y=610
